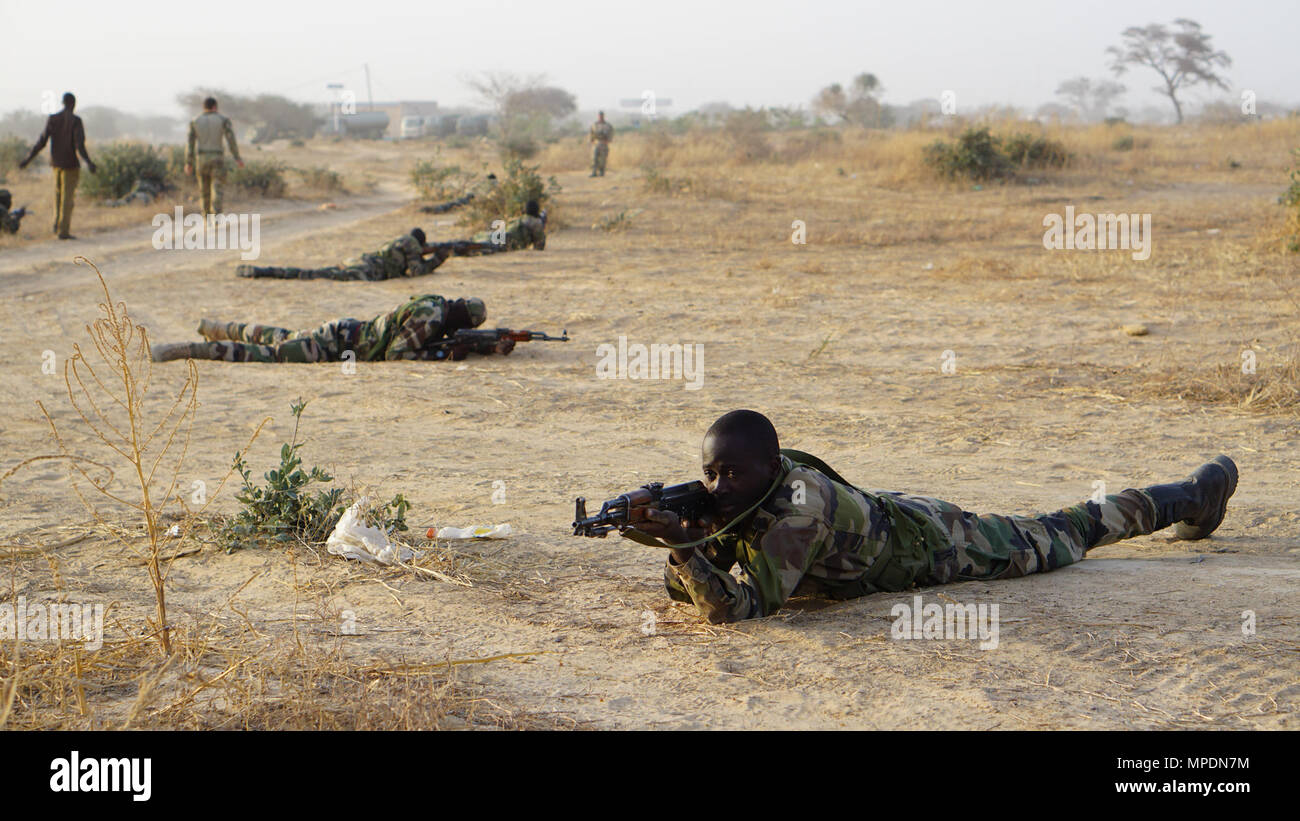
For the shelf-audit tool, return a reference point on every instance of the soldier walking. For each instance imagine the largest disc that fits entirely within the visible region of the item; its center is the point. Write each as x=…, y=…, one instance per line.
x=67, y=138
x=204, y=152
x=600, y=136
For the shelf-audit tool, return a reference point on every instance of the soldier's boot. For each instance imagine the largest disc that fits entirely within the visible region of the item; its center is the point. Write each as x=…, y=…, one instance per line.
x=167, y=351
x=211, y=329
x=1195, y=506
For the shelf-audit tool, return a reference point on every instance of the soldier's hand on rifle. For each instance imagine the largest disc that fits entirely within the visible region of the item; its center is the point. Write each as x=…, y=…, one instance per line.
x=504, y=346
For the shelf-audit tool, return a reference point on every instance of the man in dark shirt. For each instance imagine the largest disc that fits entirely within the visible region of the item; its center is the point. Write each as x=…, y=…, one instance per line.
x=67, y=139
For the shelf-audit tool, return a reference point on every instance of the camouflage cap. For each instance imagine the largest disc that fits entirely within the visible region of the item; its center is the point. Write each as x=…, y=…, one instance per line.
x=477, y=311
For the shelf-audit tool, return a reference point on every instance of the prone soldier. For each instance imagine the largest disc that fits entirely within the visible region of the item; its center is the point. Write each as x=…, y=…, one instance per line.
x=411, y=331
x=796, y=527
x=401, y=257
x=9, y=220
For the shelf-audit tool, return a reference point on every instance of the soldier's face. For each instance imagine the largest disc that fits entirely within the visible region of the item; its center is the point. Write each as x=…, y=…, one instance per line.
x=734, y=474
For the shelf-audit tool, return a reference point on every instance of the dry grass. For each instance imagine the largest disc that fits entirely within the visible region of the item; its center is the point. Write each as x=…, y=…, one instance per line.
x=229, y=672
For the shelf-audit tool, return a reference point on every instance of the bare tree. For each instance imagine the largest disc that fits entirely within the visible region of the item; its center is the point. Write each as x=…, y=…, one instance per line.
x=859, y=104
x=1091, y=100
x=1182, y=58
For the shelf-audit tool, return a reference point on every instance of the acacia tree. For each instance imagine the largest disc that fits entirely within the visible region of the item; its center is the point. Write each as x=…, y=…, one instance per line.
x=1182, y=58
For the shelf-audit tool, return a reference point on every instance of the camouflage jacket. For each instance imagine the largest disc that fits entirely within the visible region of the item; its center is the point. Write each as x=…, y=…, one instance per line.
x=521, y=232
x=811, y=535
x=206, y=133
x=601, y=132
x=399, y=258
x=403, y=333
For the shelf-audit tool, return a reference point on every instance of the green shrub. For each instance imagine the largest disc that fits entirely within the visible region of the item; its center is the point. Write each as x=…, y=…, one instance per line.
x=516, y=185
x=288, y=508
x=12, y=151
x=119, y=165
x=320, y=178
x=1028, y=151
x=977, y=156
x=436, y=182
x=1124, y=143
x=263, y=177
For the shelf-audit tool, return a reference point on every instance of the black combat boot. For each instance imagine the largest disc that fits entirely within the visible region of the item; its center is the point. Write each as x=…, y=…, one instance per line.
x=1195, y=506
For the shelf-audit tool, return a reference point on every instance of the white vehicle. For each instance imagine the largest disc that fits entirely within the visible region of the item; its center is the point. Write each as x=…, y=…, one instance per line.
x=412, y=127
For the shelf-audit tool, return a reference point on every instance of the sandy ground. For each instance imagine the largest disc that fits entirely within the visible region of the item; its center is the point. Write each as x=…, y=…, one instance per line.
x=1143, y=634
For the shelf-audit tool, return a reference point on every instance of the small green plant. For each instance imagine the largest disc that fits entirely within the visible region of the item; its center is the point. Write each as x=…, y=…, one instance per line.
x=617, y=222
x=1124, y=143
x=262, y=177
x=320, y=178
x=289, y=508
x=120, y=166
x=976, y=156
x=437, y=182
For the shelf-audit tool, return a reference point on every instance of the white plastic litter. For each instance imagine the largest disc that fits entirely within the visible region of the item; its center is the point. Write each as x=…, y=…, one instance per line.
x=500, y=531
x=354, y=539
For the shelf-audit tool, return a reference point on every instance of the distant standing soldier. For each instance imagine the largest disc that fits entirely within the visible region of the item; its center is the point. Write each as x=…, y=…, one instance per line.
x=67, y=138
x=204, y=152
x=601, y=135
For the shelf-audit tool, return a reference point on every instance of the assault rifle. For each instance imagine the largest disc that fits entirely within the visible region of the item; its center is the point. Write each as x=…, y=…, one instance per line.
x=689, y=500
x=465, y=340
x=461, y=248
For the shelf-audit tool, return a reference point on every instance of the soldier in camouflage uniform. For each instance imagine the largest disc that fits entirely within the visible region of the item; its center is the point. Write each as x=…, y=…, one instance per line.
x=481, y=189
x=404, y=333
x=521, y=232
x=802, y=529
x=600, y=135
x=10, y=221
x=204, y=153
x=144, y=192
x=403, y=257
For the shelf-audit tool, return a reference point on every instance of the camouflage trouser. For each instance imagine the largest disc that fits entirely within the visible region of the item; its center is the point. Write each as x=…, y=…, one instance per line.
x=211, y=173
x=443, y=208
x=599, y=154
x=351, y=272
x=1002, y=547
x=245, y=342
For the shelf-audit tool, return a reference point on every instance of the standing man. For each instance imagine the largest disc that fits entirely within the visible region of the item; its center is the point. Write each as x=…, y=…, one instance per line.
x=67, y=138
x=600, y=136
x=206, y=132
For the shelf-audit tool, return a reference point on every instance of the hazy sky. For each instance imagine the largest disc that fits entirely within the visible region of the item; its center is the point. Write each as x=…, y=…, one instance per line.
x=138, y=55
